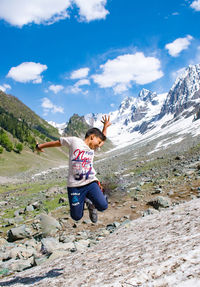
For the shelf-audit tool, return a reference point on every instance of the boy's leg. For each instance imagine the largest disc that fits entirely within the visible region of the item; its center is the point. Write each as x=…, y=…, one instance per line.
x=97, y=197
x=92, y=210
x=76, y=197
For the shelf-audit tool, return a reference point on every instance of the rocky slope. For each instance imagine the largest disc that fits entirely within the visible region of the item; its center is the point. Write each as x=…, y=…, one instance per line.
x=158, y=250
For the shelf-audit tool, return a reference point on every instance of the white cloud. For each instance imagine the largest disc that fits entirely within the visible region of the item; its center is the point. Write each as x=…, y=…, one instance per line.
x=48, y=106
x=5, y=87
x=22, y=12
x=124, y=70
x=56, y=88
x=92, y=9
x=79, y=74
x=195, y=5
x=27, y=72
x=177, y=46
x=83, y=82
x=75, y=89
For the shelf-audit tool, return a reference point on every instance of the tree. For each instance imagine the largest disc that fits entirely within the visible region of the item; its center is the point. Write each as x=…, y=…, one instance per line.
x=5, y=141
x=1, y=149
x=19, y=147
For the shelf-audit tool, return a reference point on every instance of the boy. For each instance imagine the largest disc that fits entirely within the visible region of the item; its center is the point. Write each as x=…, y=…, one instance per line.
x=82, y=183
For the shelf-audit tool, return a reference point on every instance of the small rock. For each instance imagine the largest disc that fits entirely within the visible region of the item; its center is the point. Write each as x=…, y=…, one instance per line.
x=170, y=193
x=62, y=200
x=18, y=219
x=36, y=205
x=18, y=212
x=149, y=211
x=3, y=203
x=116, y=224
x=29, y=208
x=157, y=191
x=160, y=201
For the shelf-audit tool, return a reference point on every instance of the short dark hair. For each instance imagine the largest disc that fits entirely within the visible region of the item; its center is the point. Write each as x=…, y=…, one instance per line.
x=96, y=132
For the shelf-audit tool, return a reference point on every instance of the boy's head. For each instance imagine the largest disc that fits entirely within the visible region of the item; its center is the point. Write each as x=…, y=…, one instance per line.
x=94, y=138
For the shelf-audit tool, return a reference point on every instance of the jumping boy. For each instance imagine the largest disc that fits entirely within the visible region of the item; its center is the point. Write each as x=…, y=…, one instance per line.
x=82, y=184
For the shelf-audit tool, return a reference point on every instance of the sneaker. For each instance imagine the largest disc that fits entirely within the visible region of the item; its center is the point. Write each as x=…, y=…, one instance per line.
x=92, y=211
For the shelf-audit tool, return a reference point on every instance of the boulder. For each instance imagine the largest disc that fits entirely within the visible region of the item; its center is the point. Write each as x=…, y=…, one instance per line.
x=49, y=224
x=20, y=232
x=17, y=265
x=50, y=244
x=21, y=252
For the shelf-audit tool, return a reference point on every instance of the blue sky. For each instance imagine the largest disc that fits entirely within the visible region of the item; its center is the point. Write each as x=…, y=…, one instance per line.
x=61, y=57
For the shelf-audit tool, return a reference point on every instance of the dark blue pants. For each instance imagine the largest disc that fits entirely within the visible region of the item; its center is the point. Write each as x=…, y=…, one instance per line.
x=77, y=197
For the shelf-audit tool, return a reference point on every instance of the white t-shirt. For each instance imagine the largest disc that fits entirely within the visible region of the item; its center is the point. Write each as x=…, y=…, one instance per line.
x=81, y=171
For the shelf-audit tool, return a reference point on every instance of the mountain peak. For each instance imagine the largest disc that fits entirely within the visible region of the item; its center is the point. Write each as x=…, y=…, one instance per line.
x=185, y=92
x=125, y=104
x=146, y=95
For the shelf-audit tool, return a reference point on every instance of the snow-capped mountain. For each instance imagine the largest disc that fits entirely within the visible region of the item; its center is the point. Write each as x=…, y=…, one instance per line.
x=152, y=115
x=60, y=127
x=184, y=96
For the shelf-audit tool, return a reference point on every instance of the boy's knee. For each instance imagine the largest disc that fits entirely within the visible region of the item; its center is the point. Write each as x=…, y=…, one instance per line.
x=76, y=217
x=103, y=207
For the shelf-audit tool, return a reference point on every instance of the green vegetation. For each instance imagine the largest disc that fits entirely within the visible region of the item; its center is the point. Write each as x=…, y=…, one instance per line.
x=52, y=204
x=19, y=147
x=23, y=124
x=22, y=113
x=5, y=141
x=20, y=128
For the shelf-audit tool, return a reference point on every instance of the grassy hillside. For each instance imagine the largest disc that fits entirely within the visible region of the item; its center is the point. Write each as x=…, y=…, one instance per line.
x=21, y=112
x=20, y=129
x=12, y=164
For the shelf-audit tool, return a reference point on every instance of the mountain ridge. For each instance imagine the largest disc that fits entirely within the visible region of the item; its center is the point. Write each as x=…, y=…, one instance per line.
x=150, y=113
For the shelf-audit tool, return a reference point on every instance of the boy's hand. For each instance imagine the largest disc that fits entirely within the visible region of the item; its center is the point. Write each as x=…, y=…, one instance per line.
x=38, y=149
x=106, y=121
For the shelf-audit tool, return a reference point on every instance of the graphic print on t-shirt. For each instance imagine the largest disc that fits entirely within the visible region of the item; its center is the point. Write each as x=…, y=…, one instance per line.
x=82, y=164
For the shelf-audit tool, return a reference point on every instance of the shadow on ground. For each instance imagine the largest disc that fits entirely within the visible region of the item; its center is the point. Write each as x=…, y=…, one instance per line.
x=31, y=280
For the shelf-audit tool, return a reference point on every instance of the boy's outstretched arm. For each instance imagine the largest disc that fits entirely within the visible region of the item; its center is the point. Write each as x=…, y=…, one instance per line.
x=40, y=147
x=106, y=123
